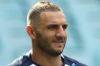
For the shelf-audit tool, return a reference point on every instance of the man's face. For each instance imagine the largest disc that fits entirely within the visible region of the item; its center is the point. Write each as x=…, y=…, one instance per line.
x=51, y=32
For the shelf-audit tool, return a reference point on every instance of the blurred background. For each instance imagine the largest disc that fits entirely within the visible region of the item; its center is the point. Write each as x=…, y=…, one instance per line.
x=83, y=18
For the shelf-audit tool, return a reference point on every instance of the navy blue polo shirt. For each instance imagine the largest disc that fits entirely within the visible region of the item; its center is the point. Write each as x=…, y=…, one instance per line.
x=26, y=60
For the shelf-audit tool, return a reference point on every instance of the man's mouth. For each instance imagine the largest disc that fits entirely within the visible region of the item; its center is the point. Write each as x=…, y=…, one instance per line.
x=59, y=41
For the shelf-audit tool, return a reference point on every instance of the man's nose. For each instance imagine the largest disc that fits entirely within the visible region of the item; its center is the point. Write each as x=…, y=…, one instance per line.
x=61, y=32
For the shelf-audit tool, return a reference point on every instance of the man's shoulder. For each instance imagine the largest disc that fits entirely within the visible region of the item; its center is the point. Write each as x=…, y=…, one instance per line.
x=22, y=61
x=73, y=62
x=25, y=60
x=19, y=61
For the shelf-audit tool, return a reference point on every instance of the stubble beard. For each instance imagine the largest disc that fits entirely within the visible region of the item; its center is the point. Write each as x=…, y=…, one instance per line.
x=43, y=45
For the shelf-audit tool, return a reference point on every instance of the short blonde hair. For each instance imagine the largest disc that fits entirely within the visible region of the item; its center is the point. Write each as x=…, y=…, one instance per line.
x=33, y=16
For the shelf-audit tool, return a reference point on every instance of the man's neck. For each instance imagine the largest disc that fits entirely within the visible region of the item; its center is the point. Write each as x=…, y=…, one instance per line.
x=45, y=59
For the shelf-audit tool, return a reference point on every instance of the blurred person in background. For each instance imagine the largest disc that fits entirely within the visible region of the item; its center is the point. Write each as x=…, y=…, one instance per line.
x=46, y=26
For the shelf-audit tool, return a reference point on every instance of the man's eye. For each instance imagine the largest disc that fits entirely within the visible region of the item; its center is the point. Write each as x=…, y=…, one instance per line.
x=52, y=27
x=65, y=26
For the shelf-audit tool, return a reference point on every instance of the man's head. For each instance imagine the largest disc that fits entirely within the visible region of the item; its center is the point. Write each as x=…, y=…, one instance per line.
x=47, y=28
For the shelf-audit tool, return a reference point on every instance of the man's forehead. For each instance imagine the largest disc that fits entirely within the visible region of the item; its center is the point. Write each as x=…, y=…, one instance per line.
x=52, y=14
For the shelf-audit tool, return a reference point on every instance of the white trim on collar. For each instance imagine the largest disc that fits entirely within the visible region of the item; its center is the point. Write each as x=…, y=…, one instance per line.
x=66, y=65
x=32, y=65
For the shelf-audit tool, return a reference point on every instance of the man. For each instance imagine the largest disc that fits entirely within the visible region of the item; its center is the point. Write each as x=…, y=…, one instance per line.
x=46, y=26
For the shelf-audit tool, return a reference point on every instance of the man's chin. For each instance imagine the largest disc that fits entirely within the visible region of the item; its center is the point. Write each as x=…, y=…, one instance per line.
x=57, y=50
x=56, y=53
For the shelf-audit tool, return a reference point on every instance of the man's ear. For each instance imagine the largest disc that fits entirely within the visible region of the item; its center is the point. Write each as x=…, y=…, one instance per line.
x=30, y=32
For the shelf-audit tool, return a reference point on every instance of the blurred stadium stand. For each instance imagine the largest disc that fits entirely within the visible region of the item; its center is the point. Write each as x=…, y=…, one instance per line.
x=83, y=18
